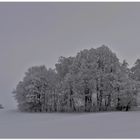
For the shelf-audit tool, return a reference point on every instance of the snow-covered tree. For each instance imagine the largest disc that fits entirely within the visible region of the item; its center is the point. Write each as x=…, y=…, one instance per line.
x=32, y=93
x=63, y=66
x=1, y=107
x=136, y=70
x=92, y=73
x=127, y=89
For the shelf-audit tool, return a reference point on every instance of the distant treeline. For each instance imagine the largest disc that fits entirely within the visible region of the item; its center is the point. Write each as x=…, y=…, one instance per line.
x=1, y=107
x=93, y=80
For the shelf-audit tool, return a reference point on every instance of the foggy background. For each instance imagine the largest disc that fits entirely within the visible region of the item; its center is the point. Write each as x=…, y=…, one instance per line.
x=38, y=33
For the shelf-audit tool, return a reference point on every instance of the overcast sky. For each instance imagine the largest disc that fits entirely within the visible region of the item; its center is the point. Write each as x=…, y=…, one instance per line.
x=38, y=33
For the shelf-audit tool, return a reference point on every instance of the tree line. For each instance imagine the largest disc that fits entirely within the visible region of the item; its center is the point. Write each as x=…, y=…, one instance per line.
x=93, y=80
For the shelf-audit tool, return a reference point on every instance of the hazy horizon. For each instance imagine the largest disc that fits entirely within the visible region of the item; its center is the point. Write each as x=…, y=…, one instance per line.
x=39, y=33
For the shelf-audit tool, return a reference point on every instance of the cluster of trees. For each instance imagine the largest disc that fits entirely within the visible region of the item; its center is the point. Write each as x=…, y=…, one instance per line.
x=93, y=80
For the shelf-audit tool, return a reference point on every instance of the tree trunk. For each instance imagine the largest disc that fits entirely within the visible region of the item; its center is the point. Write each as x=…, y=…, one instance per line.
x=88, y=100
x=72, y=107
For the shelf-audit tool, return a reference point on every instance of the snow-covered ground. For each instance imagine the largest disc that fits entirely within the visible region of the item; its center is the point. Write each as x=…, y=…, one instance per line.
x=14, y=124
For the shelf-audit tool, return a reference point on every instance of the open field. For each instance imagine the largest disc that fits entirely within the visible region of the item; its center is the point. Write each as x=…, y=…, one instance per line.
x=14, y=124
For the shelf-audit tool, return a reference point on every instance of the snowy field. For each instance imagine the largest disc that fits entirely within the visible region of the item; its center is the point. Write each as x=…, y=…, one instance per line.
x=14, y=124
